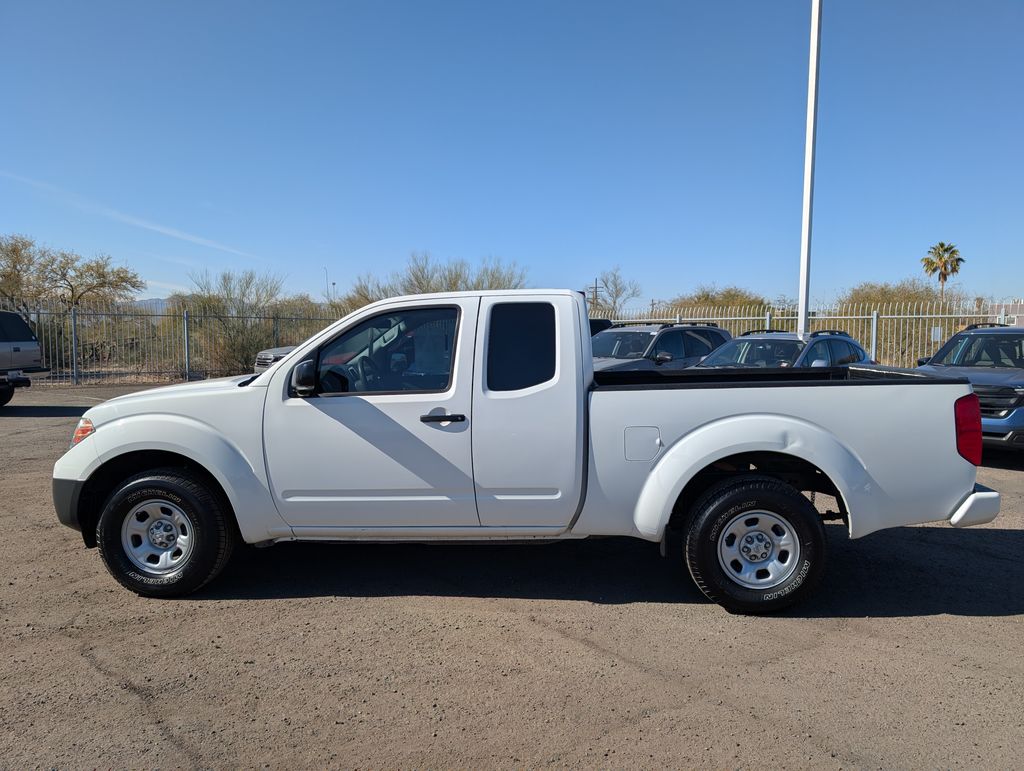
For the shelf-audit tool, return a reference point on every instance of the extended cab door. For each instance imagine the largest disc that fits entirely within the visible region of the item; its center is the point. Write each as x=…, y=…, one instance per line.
x=385, y=439
x=528, y=410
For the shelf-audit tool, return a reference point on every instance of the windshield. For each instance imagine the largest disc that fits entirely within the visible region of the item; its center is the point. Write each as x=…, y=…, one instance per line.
x=988, y=350
x=620, y=344
x=755, y=353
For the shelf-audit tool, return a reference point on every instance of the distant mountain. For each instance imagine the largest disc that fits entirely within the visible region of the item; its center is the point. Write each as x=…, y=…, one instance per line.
x=153, y=304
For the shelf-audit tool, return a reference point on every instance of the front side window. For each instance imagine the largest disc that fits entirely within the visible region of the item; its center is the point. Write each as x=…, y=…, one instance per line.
x=404, y=350
x=818, y=352
x=700, y=343
x=670, y=343
x=520, y=345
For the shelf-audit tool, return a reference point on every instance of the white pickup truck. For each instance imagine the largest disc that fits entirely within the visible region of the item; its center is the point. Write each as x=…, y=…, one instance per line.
x=477, y=416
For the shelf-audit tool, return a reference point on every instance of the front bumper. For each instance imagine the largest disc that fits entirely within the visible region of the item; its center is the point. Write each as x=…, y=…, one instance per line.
x=66, y=494
x=978, y=508
x=1005, y=432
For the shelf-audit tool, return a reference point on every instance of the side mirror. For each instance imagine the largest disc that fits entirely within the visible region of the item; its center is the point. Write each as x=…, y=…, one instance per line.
x=923, y=360
x=304, y=378
x=663, y=358
x=819, y=363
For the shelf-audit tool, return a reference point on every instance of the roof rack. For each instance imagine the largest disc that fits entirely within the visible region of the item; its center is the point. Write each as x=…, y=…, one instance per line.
x=663, y=324
x=765, y=332
x=820, y=332
x=985, y=325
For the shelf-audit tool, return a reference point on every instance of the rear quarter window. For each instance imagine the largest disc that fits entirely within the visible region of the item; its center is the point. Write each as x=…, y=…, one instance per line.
x=13, y=329
x=520, y=346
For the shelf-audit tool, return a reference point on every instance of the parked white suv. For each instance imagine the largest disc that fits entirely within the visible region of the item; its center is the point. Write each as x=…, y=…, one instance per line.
x=477, y=416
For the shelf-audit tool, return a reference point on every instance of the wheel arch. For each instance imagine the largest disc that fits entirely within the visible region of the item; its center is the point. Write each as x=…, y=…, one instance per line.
x=136, y=443
x=796, y=451
x=104, y=480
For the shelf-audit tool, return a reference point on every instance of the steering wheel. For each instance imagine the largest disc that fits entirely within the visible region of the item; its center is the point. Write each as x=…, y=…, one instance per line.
x=368, y=372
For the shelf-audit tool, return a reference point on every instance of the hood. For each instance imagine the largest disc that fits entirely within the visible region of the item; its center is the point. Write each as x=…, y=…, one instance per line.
x=160, y=399
x=604, y=362
x=607, y=363
x=984, y=376
x=276, y=352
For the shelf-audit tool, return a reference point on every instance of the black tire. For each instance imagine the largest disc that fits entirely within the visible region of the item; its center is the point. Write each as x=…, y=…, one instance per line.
x=769, y=502
x=209, y=526
x=6, y=394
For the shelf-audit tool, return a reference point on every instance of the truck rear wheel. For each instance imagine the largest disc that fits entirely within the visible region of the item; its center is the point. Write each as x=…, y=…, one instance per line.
x=164, y=533
x=755, y=545
x=6, y=394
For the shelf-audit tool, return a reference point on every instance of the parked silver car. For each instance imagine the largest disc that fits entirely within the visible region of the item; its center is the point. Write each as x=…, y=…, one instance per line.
x=19, y=354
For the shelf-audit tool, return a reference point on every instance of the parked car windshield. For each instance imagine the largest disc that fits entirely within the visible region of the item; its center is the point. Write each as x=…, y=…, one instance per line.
x=755, y=353
x=989, y=350
x=619, y=344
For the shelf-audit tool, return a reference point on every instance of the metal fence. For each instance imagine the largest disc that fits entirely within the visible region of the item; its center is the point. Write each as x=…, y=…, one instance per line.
x=133, y=344
x=896, y=334
x=137, y=344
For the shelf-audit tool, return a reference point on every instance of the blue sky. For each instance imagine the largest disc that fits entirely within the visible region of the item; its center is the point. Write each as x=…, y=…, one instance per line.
x=665, y=137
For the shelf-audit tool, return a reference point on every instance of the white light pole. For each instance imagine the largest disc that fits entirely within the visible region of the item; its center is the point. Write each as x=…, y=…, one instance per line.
x=811, y=132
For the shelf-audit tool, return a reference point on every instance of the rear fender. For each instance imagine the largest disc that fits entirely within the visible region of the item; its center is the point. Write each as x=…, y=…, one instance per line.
x=742, y=434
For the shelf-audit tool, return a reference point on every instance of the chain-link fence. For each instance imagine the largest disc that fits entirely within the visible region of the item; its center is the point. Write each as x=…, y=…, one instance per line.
x=130, y=343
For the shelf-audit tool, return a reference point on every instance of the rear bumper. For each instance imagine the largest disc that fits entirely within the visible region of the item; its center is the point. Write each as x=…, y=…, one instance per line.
x=980, y=507
x=15, y=382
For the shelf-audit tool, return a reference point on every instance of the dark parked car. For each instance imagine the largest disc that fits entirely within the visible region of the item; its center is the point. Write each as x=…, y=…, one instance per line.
x=991, y=356
x=19, y=354
x=776, y=348
x=653, y=346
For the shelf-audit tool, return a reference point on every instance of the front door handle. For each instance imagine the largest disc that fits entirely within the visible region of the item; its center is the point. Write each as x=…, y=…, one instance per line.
x=443, y=418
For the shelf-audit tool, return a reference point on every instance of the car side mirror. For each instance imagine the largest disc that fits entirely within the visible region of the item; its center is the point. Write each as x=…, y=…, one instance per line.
x=819, y=363
x=923, y=360
x=663, y=358
x=304, y=378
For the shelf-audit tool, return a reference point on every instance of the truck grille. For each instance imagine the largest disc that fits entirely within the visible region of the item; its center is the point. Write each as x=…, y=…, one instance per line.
x=265, y=360
x=998, y=401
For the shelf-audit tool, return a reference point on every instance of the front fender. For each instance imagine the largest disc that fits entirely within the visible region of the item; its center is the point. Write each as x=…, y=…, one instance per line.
x=243, y=478
x=742, y=434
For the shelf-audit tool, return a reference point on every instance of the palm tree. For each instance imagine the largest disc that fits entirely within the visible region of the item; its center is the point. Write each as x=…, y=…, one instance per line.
x=945, y=260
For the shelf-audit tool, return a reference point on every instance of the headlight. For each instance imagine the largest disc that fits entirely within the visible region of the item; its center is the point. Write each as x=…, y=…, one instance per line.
x=82, y=430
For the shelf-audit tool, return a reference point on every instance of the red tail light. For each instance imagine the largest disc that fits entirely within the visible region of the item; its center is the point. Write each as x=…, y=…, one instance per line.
x=967, y=411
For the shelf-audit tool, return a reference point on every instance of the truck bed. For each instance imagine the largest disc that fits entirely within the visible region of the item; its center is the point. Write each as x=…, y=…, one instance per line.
x=764, y=377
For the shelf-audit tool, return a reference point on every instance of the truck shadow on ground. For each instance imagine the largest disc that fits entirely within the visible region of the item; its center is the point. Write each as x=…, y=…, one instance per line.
x=1011, y=460
x=907, y=572
x=42, y=411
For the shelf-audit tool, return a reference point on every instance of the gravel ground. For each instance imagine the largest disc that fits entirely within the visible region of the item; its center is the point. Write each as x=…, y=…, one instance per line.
x=577, y=654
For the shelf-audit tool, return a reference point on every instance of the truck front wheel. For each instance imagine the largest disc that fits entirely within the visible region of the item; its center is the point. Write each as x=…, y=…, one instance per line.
x=754, y=545
x=165, y=533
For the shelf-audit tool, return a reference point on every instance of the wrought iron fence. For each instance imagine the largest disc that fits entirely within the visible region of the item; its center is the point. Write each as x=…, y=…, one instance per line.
x=132, y=344
x=137, y=344
x=897, y=334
